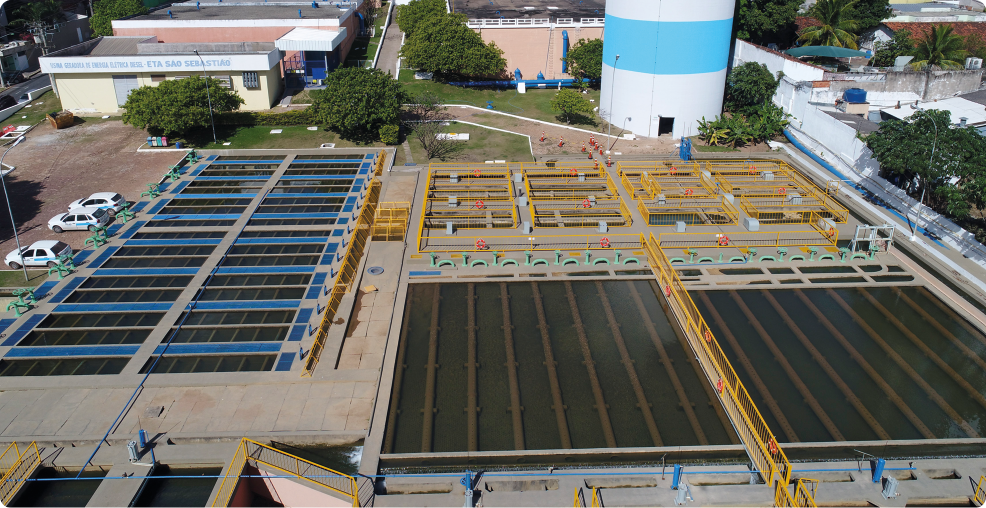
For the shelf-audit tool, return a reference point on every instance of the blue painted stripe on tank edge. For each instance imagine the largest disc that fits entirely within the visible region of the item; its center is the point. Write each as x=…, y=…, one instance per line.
x=681, y=47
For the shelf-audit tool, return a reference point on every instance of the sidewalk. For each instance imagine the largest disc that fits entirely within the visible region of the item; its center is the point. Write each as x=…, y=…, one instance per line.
x=391, y=46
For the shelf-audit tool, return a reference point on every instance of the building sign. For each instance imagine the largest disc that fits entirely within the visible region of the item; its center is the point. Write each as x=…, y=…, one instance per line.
x=159, y=63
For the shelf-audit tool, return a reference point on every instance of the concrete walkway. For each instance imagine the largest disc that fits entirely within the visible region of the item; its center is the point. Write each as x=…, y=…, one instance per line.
x=387, y=61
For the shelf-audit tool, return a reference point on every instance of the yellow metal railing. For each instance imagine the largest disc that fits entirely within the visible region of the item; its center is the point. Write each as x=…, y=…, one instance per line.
x=381, y=162
x=232, y=477
x=690, y=210
x=569, y=187
x=347, y=275
x=573, y=213
x=804, y=494
x=580, y=502
x=390, y=222
x=536, y=169
x=743, y=239
x=783, y=211
x=18, y=467
x=267, y=456
x=759, y=441
x=981, y=491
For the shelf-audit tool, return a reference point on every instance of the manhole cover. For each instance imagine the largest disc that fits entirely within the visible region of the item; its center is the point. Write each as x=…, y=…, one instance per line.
x=375, y=270
x=153, y=411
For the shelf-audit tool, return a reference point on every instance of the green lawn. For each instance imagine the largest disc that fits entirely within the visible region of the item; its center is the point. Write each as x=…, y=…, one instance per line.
x=364, y=48
x=483, y=145
x=15, y=278
x=40, y=108
x=533, y=104
x=260, y=137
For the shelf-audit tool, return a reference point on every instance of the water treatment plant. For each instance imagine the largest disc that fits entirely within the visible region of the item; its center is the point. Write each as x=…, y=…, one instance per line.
x=323, y=328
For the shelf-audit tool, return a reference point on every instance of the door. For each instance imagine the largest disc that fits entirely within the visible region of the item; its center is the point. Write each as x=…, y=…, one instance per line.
x=123, y=85
x=666, y=126
x=68, y=222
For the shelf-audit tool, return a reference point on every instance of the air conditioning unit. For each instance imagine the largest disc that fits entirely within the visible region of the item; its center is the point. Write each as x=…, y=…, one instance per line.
x=973, y=63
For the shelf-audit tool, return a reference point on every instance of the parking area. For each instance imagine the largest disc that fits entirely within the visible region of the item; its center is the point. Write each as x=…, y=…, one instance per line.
x=54, y=168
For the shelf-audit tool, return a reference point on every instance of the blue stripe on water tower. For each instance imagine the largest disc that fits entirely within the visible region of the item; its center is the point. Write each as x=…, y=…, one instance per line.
x=681, y=47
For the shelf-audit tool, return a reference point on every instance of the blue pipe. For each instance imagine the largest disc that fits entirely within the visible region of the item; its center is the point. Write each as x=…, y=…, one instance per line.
x=564, y=51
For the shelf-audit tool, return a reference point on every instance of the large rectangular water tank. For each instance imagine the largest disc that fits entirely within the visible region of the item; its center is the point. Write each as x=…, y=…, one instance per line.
x=854, y=95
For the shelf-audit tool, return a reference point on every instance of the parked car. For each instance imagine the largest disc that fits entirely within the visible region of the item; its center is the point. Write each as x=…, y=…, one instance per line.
x=109, y=201
x=40, y=253
x=79, y=218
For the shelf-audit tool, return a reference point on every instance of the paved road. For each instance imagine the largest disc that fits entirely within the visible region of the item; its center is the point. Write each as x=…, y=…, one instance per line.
x=391, y=46
x=39, y=81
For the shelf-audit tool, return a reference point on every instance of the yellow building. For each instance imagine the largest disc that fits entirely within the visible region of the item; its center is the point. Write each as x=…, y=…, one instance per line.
x=95, y=77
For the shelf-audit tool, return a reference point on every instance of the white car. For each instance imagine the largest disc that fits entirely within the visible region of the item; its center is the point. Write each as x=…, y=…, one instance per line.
x=41, y=253
x=79, y=218
x=109, y=201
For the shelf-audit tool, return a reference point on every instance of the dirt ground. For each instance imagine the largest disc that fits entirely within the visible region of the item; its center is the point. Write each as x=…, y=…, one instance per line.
x=573, y=138
x=54, y=168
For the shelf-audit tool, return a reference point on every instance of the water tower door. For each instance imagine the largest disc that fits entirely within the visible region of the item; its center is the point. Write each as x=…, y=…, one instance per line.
x=666, y=126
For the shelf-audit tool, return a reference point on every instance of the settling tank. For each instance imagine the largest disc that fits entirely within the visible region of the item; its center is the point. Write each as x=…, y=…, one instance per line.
x=672, y=62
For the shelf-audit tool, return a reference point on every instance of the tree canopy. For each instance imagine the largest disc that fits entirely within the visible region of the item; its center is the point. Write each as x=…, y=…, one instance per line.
x=105, y=11
x=408, y=16
x=939, y=47
x=749, y=87
x=357, y=102
x=37, y=13
x=900, y=44
x=176, y=106
x=766, y=21
x=869, y=13
x=571, y=103
x=443, y=44
x=954, y=178
x=585, y=58
x=836, y=26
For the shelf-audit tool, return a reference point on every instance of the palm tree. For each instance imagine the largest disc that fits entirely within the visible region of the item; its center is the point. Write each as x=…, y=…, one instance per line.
x=834, y=29
x=940, y=48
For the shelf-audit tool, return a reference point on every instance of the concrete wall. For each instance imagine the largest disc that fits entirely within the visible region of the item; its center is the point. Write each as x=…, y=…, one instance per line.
x=94, y=93
x=527, y=48
x=775, y=62
x=905, y=86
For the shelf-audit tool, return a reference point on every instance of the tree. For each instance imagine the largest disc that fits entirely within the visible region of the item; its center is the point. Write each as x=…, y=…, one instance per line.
x=585, y=59
x=951, y=181
x=870, y=13
x=426, y=118
x=105, y=11
x=357, y=102
x=571, y=103
x=177, y=106
x=443, y=44
x=939, y=47
x=749, y=87
x=900, y=44
x=976, y=46
x=765, y=21
x=836, y=27
x=408, y=16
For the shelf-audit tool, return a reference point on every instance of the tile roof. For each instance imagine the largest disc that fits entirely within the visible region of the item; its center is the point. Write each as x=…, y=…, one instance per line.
x=960, y=28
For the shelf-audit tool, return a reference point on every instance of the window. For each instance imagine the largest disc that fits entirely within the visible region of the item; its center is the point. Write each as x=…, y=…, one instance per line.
x=155, y=78
x=251, y=80
x=225, y=81
x=181, y=77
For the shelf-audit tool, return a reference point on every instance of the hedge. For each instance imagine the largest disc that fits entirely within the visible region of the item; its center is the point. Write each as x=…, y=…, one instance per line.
x=249, y=118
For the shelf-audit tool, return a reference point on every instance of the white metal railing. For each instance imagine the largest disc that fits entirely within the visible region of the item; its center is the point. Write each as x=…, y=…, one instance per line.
x=533, y=22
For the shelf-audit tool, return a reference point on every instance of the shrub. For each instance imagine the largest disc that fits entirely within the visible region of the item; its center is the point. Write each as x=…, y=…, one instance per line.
x=390, y=134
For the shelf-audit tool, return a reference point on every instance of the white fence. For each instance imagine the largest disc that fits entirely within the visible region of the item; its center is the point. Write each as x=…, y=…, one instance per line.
x=535, y=22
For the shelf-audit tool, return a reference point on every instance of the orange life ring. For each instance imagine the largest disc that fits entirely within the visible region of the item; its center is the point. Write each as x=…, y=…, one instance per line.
x=753, y=170
x=724, y=240
x=476, y=172
x=604, y=242
x=480, y=204
x=719, y=386
x=708, y=336
x=480, y=244
x=772, y=446
x=781, y=190
x=689, y=192
x=667, y=290
x=572, y=172
x=831, y=232
x=586, y=203
x=673, y=171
